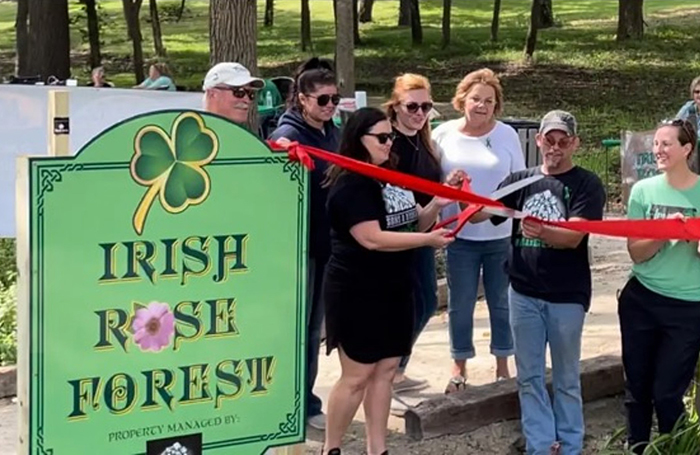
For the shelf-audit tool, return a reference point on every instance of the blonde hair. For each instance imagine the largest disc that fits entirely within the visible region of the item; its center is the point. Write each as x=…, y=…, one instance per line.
x=405, y=83
x=483, y=76
x=694, y=84
x=162, y=68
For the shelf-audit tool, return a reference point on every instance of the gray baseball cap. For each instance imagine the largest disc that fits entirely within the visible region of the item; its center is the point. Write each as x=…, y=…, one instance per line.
x=558, y=120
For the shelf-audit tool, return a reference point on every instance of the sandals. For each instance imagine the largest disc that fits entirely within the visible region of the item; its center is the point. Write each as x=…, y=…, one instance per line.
x=456, y=384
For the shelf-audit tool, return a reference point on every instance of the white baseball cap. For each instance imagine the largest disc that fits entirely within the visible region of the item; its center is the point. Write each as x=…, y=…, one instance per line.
x=231, y=74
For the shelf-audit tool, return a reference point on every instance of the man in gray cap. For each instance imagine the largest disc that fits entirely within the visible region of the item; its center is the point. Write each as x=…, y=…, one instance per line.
x=550, y=289
x=230, y=90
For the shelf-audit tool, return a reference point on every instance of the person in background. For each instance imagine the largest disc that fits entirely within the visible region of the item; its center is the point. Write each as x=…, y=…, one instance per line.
x=158, y=78
x=659, y=307
x=488, y=150
x=408, y=111
x=368, y=282
x=229, y=90
x=308, y=120
x=550, y=286
x=98, y=78
x=690, y=110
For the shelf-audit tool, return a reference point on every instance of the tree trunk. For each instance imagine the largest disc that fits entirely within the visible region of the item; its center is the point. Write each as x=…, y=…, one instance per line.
x=345, y=59
x=366, y=10
x=270, y=13
x=495, y=19
x=355, y=23
x=630, y=22
x=416, y=27
x=534, y=26
x=446, y=19
x=180, y=11
x=22, y=38
x=157, y=34
x=132, y=8
x=93, y=25
x=404, y=13
x=305, y=26
x=232, y=38
x=546, y=15
x=49, y=39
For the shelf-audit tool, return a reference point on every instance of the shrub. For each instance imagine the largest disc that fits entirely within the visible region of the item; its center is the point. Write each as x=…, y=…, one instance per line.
x=8, y=321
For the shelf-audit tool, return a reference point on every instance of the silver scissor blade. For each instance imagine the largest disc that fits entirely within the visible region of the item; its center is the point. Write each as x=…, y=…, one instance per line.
x=504, y=212
x=515, y=186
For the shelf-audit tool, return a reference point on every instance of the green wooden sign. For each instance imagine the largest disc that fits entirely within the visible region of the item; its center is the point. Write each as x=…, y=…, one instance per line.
x=167, y=292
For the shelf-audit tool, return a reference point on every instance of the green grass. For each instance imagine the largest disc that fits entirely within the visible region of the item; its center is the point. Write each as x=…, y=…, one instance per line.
x=578, y=65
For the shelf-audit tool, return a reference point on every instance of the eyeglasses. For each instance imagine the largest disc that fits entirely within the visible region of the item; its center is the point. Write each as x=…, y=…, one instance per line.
x=323, y=100
x=696, y=92
x=563, y=142
x=240, y=92
x=685, y=125
x=412, y=108
x=382, y=137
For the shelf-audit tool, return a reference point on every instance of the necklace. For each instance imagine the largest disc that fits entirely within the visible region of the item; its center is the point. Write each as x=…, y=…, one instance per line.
x=415, y=145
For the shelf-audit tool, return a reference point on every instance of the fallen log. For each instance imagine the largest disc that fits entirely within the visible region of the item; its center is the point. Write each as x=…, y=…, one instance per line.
x=478, y=406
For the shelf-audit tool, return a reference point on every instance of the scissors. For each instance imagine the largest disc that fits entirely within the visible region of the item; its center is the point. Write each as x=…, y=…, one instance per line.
x=472, y=209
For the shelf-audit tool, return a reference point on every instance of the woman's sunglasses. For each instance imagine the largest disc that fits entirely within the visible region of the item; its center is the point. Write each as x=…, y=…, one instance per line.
x=412, y=108
x=685, y=125
x=382, y=137
x=323, y=100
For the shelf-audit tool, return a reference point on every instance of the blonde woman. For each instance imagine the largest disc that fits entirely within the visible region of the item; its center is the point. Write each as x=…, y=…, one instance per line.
x=408, y=109
x=488, y=151
x=158, y=78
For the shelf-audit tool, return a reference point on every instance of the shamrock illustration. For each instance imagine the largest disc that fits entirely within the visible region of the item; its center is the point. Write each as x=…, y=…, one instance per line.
x=171, y=166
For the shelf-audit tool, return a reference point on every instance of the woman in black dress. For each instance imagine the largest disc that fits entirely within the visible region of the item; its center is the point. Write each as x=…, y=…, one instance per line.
x=368, y=285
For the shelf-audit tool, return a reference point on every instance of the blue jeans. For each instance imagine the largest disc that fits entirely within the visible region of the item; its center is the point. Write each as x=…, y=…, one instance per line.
x=314, y=314
x=465, y=259
x=535, y=323
x=425, y=293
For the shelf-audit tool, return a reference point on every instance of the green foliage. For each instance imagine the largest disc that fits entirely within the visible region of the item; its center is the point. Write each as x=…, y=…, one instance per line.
x=8, y=321
x=8, y=262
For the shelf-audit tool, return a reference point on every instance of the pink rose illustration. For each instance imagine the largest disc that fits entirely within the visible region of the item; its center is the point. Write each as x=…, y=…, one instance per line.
x=153, y=326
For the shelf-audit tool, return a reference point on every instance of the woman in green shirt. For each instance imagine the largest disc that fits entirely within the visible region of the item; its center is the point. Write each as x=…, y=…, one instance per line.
x=158, y=78
x=659, y=308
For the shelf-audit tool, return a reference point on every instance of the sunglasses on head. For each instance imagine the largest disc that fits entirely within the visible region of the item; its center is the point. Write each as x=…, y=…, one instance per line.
x=382, y=137
x=563, y=142
x=323, y=100
x=413, y=107
x=685, y=125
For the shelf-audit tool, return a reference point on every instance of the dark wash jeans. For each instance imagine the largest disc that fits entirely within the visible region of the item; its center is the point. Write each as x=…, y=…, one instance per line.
x=314, y=312
x=660, y=347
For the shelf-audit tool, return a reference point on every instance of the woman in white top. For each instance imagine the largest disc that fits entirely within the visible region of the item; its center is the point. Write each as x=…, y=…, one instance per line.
x=488, y=150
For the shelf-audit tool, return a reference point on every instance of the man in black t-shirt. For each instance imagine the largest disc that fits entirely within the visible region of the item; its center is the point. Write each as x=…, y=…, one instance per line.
x=551, y=286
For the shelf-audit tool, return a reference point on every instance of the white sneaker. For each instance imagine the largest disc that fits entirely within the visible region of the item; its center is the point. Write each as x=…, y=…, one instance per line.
x=318, y=422
x=398, y=408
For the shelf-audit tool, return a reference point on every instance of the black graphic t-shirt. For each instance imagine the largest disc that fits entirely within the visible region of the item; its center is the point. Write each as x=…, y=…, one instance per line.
x=558, y=275
x=354, y=199
x=415, y=159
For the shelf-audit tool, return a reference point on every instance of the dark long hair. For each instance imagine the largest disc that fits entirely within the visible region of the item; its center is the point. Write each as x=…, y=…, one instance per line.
x=308, y=76
x=351, y=146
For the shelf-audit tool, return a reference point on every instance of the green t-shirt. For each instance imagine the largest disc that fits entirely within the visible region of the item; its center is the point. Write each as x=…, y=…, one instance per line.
x=674, y=271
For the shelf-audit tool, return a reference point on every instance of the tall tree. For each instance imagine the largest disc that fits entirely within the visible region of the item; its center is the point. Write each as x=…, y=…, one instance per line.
x=446, y=19
x=355, y=23
x=366, y=10
x=132, y=9
x=93, y=26
x=531, y=41
x=155, y=25
x=416, y=27
x=345, y=47
x=180, y=11
x=495, y=20
x=269, y=13
x=49, y=39
x=305, y=26
x=404, y=13
x=630, y=21
x=233, y=35
x=22, y=38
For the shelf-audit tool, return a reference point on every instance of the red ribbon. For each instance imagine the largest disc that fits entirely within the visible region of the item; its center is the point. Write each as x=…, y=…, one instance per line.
x=666, y=229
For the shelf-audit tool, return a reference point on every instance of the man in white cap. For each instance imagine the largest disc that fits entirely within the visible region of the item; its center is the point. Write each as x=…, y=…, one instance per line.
x=229, y=90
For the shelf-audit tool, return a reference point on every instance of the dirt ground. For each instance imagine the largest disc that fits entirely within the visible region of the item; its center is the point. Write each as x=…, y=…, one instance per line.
x=431, y=361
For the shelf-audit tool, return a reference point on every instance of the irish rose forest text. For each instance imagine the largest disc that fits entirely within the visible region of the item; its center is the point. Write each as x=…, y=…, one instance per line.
x=156, y=326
